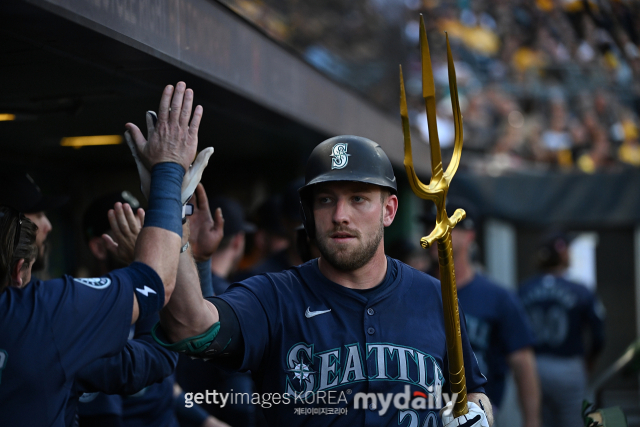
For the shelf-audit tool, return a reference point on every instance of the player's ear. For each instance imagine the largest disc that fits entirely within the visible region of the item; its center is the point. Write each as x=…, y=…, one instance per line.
x=16, y=278
x=390, y=207
x=98, y=248
x=237, y=242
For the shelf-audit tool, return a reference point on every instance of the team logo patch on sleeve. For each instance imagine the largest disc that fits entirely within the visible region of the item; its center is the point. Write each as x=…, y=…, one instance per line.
x=96, y=283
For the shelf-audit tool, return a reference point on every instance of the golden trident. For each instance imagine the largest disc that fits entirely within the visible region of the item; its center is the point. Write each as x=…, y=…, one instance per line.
x=437, y=192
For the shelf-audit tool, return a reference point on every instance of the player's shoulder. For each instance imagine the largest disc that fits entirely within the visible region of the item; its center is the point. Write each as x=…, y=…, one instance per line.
x=417, y=277
x=276, y=282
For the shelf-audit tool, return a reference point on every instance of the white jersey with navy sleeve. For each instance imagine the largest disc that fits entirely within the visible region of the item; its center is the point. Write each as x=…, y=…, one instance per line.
x=52, y=329
x=308, y=338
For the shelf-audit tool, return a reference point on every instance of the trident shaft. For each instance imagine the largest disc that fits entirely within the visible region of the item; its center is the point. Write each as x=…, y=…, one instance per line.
x=436, y=191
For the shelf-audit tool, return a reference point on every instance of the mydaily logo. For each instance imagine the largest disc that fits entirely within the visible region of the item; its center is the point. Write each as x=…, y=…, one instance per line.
x=402, y=401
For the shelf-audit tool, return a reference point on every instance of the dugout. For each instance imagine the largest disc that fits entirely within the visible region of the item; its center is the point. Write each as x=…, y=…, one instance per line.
x=83, y=68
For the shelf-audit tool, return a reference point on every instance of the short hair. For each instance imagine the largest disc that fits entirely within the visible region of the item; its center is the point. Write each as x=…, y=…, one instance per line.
x=384, y=193
x=11, y=251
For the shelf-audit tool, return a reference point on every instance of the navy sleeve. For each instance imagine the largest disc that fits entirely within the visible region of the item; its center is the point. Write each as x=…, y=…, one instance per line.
x=99, y=405
x=595, y=320
x=89, y=318
x=254, y=304
x=140, y=364
x=204, y=273
x=134, y=368
x=515, y=330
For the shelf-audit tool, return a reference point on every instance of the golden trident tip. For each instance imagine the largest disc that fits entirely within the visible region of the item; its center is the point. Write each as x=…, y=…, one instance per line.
x=437, y=192
x=439, y=184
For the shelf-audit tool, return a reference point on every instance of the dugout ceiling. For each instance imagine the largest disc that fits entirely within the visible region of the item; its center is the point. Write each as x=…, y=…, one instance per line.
x=81, y=67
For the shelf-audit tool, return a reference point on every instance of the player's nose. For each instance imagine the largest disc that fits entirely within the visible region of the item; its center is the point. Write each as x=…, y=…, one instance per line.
x=341, y=212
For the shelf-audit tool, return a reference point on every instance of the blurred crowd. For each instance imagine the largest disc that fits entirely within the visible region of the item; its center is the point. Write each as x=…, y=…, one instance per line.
x=543, y=84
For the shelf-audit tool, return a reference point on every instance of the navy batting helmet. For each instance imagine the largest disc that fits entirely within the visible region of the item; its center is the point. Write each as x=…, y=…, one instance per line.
x=344, y=158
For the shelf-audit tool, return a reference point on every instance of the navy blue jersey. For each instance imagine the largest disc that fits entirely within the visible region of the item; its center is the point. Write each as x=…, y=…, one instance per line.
x=560, y=310
x=218, y=284
x=497, y=325
x=50, y=331
x=142, y=373
x=310, y=338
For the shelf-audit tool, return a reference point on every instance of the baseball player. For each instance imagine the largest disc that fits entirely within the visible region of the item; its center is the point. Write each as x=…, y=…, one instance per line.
x=53, y=329
x=19, y=191
x=561, y=311
x=352, y=338
x=143, y=370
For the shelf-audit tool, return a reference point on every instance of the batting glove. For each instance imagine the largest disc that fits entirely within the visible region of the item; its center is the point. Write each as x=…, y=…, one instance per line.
x=474, y=418
x=191, y=177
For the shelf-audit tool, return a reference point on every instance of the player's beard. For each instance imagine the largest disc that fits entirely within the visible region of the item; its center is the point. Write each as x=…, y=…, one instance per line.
x=345, y=258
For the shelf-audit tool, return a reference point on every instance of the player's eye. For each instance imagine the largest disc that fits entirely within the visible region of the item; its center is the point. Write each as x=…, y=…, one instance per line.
x=358, y=199
x=323, y=200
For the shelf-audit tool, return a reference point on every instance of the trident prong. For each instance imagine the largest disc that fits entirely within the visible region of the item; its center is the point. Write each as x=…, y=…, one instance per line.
x=438, y=186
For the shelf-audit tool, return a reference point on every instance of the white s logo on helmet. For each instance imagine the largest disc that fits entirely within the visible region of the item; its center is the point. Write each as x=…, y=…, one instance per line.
x=339, y=155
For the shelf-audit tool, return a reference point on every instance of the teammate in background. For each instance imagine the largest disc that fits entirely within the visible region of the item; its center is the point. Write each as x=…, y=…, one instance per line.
x=560, y=310
x=226, y=258
x=19, y=191
x=497, y=325
x=139, y=381
x=152, y=403
x=284, y=222
x=353, y=321
x=53, y=329
x=195, y=376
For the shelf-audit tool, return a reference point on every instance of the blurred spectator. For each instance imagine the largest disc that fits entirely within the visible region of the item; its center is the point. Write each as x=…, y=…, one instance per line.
x=560, y=312
x=540, y=76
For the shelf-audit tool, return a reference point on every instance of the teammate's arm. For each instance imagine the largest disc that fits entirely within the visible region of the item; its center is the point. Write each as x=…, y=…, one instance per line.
x=189, y=314
x=523, y=365
x=174, y=140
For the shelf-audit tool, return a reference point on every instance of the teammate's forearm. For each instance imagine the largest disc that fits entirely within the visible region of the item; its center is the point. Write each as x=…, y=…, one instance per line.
x=187, y=314
x=159, y=249
x=482, y=401
x=523, y=366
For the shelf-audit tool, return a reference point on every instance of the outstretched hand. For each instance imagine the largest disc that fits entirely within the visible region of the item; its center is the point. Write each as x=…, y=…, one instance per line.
x=125, y=227
x=173, y=138
x=206, y=231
